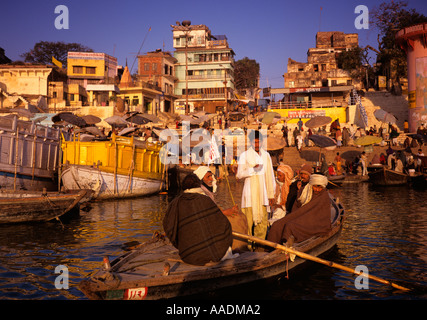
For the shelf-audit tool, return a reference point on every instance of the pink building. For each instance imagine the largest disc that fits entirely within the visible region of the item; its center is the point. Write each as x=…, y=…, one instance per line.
x=413, y=40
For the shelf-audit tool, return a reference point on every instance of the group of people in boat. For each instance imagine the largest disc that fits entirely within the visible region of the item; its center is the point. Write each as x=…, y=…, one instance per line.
x=300, y=208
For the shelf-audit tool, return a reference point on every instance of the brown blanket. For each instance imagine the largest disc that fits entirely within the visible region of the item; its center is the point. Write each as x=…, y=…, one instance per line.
x=312, y=219
x=197, y=228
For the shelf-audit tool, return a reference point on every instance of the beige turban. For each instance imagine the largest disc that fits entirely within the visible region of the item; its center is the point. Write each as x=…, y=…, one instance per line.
x=283, y=188
x=318, y=180
x=201, y=171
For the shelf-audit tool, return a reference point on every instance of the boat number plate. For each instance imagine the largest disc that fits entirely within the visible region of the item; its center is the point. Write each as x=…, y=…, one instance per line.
x=136, y=293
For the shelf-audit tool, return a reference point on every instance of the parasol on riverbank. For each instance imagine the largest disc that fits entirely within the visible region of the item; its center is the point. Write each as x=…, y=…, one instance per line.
x=322, y=141
x=367, y=140
x=70, y=118
x=21, y=112
x=318, y=121
x=270, y=117
x=91, y=119
x=385, y=116
x=116, y=121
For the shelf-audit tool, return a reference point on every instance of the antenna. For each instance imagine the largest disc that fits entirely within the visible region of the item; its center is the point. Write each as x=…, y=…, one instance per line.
x=139, y=49
x=320, y=17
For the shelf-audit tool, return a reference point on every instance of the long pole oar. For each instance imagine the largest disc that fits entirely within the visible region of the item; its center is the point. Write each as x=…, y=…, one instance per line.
x=228, y=183
x=315, y=259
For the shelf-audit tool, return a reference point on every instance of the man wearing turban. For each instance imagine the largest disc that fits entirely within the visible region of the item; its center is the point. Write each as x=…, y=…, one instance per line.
x=311, y=218
x=255, y=167
x=236, y=218
x=285, y=175
x=297, y=187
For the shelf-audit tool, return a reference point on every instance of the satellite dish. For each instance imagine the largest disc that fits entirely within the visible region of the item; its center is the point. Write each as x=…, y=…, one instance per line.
x=186, y=23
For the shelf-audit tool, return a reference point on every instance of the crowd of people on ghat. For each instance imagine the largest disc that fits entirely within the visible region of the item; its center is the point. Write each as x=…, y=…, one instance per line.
x=280, y=206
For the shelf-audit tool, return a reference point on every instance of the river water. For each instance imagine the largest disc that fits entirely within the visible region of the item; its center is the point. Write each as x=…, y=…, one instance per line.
x=385, y=230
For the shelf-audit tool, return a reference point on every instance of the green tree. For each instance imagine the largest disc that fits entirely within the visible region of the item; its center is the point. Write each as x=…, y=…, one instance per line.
x=356, y=62
x=43, y=52
x=389, y=18
x=246, y=73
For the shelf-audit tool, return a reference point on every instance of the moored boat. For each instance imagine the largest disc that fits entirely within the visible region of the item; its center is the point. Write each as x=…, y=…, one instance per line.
x=119, y=168
x=29, y=155
x=154, y=269
x=387, y=177
x=33, y=206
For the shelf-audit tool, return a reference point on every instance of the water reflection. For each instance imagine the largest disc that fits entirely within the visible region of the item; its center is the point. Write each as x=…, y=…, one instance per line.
x=385, y=229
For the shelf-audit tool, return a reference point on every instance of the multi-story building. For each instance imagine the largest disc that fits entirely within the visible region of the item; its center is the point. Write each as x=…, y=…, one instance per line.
x=158, y=68
x=86, y=68
x=204, y=69
x=139, y=95
x=25, y=86
x=95, y=72
x=320, y=82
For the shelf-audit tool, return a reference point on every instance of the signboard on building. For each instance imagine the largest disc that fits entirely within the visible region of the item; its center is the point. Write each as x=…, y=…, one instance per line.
x=294, y=114
x=382, y=82
x=305, y=114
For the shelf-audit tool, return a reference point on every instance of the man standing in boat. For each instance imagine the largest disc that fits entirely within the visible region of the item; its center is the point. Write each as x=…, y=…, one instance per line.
x=256, y=168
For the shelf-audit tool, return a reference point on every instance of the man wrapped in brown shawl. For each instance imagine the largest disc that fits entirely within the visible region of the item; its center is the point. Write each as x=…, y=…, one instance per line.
x=196, y=226
x=312, y=218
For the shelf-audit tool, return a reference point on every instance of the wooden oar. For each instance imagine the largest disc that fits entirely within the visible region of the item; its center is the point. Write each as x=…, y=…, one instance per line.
x=334, y=184
x=315, y=259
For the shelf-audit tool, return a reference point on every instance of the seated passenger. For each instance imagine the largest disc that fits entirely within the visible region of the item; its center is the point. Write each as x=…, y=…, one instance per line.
x=237, y=219
x=196, y=226
x=311, y=218
x=283, y=183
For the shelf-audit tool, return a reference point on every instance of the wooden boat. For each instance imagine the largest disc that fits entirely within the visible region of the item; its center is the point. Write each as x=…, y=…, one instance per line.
x=29, y=155
x=27, y=206
x=118, y=168
x=154, y=269
x=336, y=180
x=386, y=177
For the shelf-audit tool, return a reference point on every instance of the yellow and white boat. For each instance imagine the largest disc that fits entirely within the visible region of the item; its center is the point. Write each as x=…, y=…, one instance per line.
x=118, y=168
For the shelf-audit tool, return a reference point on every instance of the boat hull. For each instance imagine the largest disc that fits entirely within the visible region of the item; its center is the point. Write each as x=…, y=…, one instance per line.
x=29, y=155
x=24, y=206
x=386, y=177
x=138, y=274
x=106, y=185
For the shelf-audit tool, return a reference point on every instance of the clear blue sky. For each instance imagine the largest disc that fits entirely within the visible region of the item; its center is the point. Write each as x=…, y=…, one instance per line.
x=269, y=31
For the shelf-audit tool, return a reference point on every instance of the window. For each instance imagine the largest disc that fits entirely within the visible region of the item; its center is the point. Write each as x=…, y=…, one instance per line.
x=90, y=70
x=323, y=67
x=154, y=66
x=316, y=68
x=77, y=69
x=146, y=66
x=333, y=82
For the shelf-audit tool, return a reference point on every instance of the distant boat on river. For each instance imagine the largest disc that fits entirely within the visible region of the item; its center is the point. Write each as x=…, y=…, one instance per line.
x=118, y=168
x=29, y=155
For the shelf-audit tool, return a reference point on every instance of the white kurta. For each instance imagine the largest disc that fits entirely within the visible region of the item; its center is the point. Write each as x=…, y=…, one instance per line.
x=247, y=161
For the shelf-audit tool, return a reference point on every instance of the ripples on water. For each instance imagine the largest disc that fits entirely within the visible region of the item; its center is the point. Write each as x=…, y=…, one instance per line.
x=385, y=229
